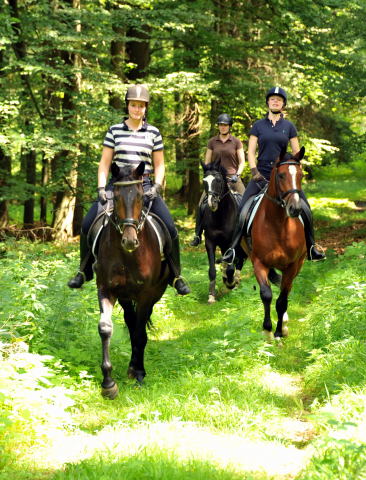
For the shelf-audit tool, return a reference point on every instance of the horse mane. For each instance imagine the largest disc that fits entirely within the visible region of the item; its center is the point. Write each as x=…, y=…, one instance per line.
x=215, y=166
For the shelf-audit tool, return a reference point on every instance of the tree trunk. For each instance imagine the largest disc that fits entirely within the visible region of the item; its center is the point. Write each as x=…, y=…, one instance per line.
x=5, y=173
x=138, y=51
x=30, y=165
x=192, y=152
x=65, y=200
x=43, y=199
x=117, y=63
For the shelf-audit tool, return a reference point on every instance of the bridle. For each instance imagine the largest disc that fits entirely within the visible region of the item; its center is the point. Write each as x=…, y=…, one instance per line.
x=218, y=195
x=121, y=224
x=279, y=200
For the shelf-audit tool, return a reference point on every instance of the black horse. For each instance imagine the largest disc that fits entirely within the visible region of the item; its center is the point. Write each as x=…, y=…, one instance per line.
x=219, y=215
x=129, y=269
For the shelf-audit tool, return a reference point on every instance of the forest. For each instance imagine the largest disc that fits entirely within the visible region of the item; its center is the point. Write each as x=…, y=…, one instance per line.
x=65, y=66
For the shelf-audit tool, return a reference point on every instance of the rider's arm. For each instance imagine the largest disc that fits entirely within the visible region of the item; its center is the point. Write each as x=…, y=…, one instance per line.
x=241, y=158
x=159, y=166
x=208, y=156
x=294, y=143
x=104, y=166
x=252, y=147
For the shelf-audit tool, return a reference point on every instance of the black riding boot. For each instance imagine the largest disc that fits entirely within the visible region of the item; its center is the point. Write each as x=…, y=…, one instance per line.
x=173, y=259
x=198, y=230
x=86, y=265
x=307, y=217
x=230, y=254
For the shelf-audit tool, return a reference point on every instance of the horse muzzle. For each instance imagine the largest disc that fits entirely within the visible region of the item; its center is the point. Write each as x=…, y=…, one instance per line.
x=130, y=244
x=293, y=206
x=213, y=202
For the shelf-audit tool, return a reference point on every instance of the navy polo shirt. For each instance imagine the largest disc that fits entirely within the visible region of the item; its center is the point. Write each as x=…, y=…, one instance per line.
x=272, y=139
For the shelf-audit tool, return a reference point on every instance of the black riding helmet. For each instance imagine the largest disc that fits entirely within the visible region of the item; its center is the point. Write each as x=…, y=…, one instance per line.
x=277, y=91
x=225, y=119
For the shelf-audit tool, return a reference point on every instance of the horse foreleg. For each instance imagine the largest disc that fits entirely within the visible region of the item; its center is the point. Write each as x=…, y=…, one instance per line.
x=138, y=337
x=210, y=248
x=130, y=316
x=105, y=328
x=282, y=301
x=261, y=273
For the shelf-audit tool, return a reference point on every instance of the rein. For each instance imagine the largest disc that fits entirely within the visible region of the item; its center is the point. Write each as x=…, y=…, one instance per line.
x=279, y=200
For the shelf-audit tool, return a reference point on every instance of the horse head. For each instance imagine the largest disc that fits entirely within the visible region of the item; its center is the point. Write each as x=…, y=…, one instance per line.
x=128, y=203
x=214, y=181
x=286, y=176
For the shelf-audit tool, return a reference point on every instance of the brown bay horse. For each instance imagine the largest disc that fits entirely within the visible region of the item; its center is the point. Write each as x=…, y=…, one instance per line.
x=129, y=270
x=278, y=239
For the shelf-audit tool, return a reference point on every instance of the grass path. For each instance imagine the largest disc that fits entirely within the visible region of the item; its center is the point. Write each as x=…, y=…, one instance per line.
x=218, y=401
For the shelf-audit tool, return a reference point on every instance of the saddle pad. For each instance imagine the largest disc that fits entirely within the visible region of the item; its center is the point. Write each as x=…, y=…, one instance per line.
x=256, y=202
x=159, y=233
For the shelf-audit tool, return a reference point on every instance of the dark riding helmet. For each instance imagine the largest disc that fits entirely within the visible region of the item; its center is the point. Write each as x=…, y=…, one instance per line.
x=225, y=119
x=277, y=91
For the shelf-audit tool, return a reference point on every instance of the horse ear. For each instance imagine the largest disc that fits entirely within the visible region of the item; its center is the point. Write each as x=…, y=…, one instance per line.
x=115, y=170
x=140, y=169
x=282, y=154
x=300, y=155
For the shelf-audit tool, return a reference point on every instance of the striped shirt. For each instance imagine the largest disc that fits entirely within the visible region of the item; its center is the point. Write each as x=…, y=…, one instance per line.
x=131, y=147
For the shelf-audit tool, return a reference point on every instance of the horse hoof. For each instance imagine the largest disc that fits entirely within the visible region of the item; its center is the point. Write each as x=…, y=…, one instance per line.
x=230, y=286
x=211, y=299
x=110, y=393
x=268, y=336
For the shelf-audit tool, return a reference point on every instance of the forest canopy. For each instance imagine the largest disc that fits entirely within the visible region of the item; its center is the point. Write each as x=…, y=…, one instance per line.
x=65, y=66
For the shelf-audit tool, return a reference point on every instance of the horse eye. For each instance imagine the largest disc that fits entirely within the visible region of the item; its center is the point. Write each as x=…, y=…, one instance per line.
x=282, y=176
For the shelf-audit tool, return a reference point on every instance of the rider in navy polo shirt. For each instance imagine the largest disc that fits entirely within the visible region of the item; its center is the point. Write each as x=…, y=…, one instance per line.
x=271, y=135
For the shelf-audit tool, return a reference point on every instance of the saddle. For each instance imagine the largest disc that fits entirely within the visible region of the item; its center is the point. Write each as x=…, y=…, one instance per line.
x=247, y=214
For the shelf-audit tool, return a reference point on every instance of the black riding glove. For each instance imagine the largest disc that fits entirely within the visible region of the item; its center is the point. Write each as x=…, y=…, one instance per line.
x=102, y=195
x=234, y=178
x=153, y=191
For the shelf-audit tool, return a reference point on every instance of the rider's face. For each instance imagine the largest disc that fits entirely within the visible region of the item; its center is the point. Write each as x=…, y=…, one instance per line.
x=136, y=109
x=275, y=102
x=224, y=128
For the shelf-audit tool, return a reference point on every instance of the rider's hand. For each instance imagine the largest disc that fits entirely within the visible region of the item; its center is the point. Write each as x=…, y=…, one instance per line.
x=102, y=195
x=255, y=174
x=234, y=178
x=153, y=192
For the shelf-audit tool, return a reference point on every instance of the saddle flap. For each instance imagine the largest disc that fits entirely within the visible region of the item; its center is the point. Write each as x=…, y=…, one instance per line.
x=161, y=232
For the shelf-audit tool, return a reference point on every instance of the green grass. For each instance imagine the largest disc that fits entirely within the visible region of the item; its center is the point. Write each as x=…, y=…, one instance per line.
x=218, y=402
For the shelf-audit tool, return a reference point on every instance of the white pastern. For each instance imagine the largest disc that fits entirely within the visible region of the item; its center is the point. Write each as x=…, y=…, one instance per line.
x=106, y=315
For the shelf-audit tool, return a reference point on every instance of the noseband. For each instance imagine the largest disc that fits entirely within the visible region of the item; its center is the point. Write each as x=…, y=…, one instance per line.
x=279, y=200
x=121, y=224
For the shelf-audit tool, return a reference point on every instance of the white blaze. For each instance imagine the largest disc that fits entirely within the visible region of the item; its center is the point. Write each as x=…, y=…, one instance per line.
x=293, y=170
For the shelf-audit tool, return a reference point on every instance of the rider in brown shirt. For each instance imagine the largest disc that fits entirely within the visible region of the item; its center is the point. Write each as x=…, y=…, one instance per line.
x=229, y=150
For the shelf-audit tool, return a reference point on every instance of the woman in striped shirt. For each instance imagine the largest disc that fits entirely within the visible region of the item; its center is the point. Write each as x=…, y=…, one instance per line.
x=128, y=143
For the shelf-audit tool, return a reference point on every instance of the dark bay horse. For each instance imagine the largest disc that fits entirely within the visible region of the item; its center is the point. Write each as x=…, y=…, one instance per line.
x=218, y=222
x=278, y=239
x=129, y=269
